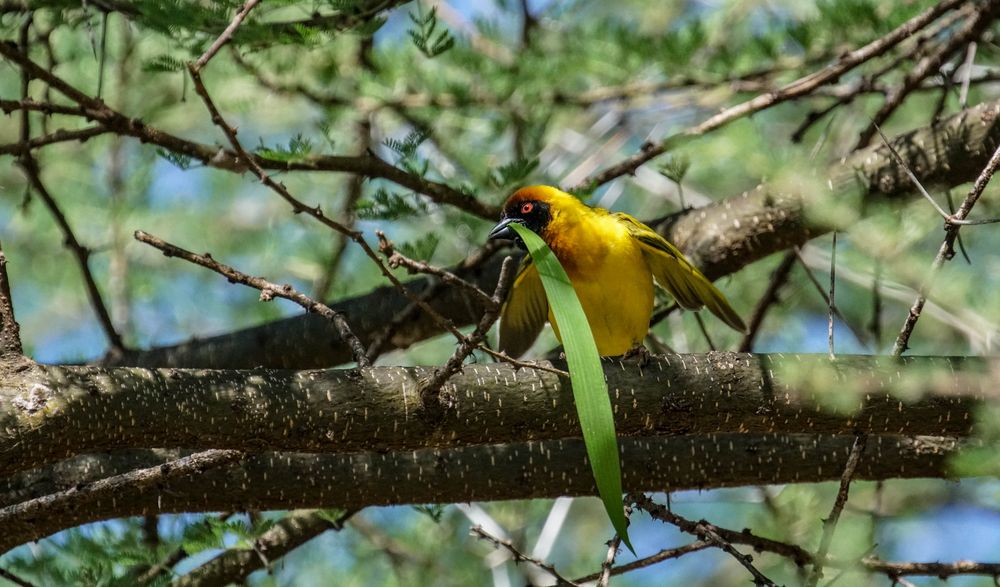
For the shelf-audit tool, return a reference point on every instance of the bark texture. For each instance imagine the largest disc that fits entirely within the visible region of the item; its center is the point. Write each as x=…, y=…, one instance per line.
x=519, y=470
x=59, y=412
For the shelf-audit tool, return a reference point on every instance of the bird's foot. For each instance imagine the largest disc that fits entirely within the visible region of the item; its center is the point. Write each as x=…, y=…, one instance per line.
x=639, y=353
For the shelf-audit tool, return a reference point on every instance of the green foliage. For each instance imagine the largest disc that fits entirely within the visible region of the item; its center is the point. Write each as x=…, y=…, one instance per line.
x=297, y=149
x=389, y=205
x=407, y=147
x=406, y=152
x=163, y=63
x=675, y=168
x=433, y=511
x=421, y=248
x=423, y=36
x=334, y=516
x=590, y=390
x=215, y=533
x=182, y=162
x=513, y=173
x=104, y=555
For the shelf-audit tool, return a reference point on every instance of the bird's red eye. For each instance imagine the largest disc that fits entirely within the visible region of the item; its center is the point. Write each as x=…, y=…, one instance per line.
x=527, y=207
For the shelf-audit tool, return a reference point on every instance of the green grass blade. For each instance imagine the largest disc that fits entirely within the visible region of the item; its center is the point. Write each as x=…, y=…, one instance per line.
x=590, y=390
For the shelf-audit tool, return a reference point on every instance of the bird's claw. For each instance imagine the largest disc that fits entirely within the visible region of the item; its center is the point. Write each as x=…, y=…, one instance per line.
x=639, y=353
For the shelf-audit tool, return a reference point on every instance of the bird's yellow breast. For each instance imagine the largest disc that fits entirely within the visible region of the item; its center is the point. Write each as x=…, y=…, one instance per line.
x=610, y=276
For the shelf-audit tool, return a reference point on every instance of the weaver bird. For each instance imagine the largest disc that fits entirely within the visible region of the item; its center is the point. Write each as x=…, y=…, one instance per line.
x=612, y=260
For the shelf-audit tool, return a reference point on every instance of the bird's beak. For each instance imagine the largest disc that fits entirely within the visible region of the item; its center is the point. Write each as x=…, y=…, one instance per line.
x=503, y=229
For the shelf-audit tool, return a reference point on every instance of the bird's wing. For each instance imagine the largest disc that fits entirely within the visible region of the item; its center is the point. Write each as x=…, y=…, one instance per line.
x=525, y=311
x=678, y=276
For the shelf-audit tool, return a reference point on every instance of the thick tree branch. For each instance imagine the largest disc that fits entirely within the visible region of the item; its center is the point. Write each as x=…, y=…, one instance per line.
x=59, y=412
x=523, y=470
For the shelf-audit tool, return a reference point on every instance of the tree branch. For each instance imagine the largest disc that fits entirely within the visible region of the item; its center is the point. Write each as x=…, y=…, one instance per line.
x=49, y=415
x=946, y=251
x=234, y=566
x=368, y=165
x=795, y=89
x=830, y=523
x=801, y=556
x=268, y=290
x=226, y=35
x=84, y=493
x=522, y=470
x=10, y=332
x=80, y=253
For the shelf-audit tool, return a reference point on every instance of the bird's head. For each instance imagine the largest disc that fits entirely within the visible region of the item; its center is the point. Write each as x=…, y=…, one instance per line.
x=532, y=206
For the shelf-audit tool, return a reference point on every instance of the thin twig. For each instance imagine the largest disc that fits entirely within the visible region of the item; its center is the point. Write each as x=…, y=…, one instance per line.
x=60, y=136
x=47, y=108
x=517, y=555
x=226, y=35
x=981, y=18
x=315, y=212
x=474, y=260
x=704, y=331
x=778, y=279
x=663, y=555
x=609, y=560
x=704, y=531
x=859, y=334
x=430, y=391
x=945, y=252
x=801, y=556
x=830, y=523
x=139, y=478
x=800, y=87
x=504, y=358
x=913, y=178
x=80, y=252
x=961, y=244
x=368, y=164
x=15, y=579
x=268, y=290
x=397, y=259
x=833, y=290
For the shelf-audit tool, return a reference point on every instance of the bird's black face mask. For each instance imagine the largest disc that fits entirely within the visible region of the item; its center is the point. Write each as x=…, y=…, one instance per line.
x=531, y=213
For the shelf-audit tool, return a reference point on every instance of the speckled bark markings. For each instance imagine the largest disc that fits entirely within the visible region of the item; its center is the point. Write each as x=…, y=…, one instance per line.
x=67, y=411
x=477, y=473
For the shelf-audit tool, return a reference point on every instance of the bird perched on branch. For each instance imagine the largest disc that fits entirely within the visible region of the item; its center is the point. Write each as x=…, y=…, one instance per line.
x=612, y=260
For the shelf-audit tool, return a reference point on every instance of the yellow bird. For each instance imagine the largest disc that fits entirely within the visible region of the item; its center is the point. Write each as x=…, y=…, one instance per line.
x=612, y=260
